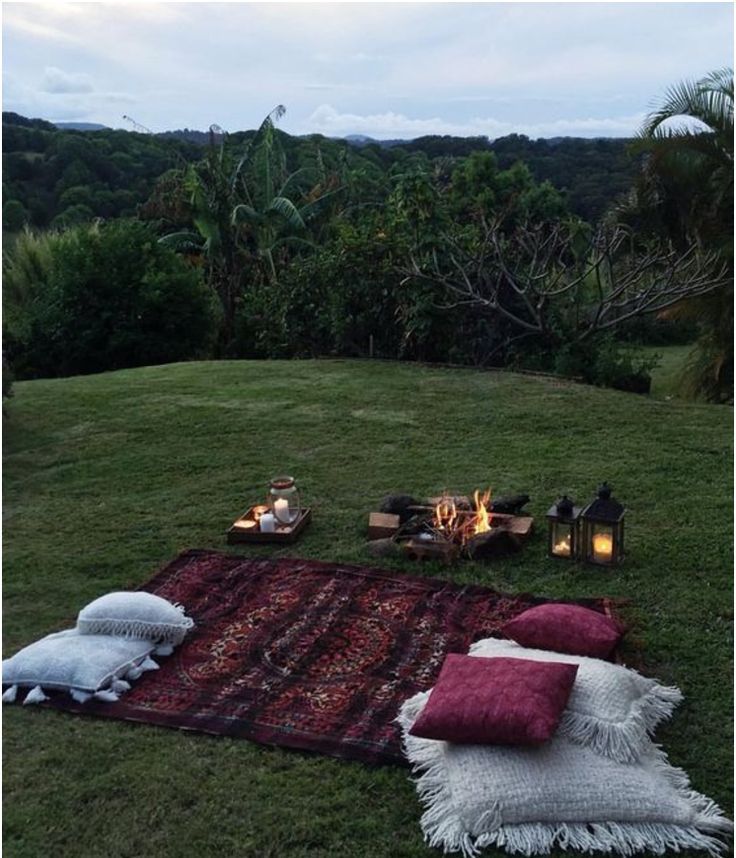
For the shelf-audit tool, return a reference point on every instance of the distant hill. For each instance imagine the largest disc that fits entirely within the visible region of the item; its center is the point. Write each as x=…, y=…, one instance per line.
x=81, y=126
x=58, y=171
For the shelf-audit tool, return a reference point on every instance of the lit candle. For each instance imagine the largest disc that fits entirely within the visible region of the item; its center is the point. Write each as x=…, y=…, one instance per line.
x=267, y=523
x=281, y=511
x=563, y=547
x=245, y=524
x=258, y=512
x=602, y=546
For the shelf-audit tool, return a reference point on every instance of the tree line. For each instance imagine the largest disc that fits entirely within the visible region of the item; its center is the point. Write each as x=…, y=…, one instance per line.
x=421, y=250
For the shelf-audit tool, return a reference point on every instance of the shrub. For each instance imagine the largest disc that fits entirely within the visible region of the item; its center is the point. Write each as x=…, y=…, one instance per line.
x=605, y=362
x=112, y=297
x=14, y=215
x=8, y=379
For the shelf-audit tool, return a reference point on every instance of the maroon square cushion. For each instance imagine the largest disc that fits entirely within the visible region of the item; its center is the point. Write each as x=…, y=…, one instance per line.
x=565, y=628
x=505, y=701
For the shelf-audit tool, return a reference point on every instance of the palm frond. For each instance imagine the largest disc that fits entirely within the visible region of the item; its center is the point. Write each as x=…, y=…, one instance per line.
x=288, y=211
x=243, y=213
x=183, y=242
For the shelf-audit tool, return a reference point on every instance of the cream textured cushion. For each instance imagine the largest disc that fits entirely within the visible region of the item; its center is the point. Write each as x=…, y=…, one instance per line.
x=84, y=665
x=560, y=794
x=135, y=615
x=612, y=709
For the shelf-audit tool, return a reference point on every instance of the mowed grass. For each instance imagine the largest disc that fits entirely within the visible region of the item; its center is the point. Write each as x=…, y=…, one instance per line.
x=107, y=477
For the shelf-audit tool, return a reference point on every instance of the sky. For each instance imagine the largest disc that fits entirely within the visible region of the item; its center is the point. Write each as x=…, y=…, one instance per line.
x=385, y=70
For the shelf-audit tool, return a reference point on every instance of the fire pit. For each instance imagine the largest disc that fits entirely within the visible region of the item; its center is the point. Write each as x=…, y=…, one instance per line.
x=450, y=526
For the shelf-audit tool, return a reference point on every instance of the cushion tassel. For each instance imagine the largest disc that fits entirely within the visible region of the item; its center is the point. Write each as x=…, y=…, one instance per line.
x=134, y=673
x=35, y=695
x=79, y=696
x=164, y=649
x=148, y=664
x=119, y=686
x=107, y=696
x=10, y=695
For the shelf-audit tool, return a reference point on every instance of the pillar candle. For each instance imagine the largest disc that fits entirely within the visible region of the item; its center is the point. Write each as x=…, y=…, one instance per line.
x=281, y=510
x=267, y=523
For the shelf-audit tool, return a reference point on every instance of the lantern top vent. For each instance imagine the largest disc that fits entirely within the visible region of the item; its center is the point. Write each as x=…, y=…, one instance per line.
x=605, y=507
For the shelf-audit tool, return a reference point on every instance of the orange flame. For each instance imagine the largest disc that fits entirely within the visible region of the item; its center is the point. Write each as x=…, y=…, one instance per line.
x=482, y=518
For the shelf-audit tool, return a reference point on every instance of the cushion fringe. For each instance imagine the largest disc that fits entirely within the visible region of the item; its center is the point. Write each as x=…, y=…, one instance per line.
x=173, y=633
x=624, y=741
x=626, y=838
x=442, y=825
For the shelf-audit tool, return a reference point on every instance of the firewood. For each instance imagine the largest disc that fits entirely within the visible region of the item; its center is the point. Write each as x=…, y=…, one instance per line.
x=384, y=548
x=381, y=525
x=511, y=504
x=495, y=543
x=399, y=505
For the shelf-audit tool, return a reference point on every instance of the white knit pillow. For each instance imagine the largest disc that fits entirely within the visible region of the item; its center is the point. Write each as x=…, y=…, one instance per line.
x=612, y=709
x=533, y=799
x=84, y=665
x=135, y=615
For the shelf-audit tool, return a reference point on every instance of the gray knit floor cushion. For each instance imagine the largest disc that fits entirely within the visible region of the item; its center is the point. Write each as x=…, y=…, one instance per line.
x=86, y=666
x=612, y=709
x=560, y=794
x=135, y=615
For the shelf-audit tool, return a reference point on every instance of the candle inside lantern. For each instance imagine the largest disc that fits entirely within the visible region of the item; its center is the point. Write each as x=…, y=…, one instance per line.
x=602, y=547
x=563, y=547
x=281, y=510
x=267, y=523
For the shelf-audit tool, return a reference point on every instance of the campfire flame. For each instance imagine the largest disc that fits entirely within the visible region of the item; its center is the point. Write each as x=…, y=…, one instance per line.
x=482, y=523
x=461, y=524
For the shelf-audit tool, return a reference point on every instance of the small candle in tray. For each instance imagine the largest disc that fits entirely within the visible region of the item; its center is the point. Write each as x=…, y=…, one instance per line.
x=245, y=524
x=258, y=511
x=267, y=523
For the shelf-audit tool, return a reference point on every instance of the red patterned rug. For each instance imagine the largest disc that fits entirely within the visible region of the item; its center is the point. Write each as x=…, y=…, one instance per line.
x=310, y=655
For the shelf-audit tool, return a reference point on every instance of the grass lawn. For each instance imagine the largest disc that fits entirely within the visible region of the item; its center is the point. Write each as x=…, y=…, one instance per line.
x=107, y=477
x=666, y=376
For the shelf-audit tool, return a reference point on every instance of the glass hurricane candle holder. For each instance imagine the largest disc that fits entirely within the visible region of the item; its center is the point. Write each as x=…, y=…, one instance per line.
x=284, y=501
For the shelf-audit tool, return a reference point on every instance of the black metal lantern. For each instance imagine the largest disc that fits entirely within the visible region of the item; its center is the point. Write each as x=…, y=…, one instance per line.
x=562, y=539
x=602, y=538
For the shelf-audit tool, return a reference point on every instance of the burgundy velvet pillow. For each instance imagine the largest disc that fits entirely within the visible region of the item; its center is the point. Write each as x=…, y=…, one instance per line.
x=564, y=628
x=504, y=701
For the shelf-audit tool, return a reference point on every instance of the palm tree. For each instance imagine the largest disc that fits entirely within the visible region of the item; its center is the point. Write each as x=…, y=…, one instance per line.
x=685, y=192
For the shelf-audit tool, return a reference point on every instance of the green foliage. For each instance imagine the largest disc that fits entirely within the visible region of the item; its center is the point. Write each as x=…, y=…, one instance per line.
x=105, y=298
x=109, y=172
x=14, y=215
x=8, y=378
x=685, y=192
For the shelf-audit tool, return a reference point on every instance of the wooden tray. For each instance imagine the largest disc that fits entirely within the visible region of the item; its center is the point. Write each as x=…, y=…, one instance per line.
x=284, y=535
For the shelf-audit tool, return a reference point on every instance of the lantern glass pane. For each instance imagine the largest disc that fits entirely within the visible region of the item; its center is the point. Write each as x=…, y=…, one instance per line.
x=561, y=539
x=601, y=543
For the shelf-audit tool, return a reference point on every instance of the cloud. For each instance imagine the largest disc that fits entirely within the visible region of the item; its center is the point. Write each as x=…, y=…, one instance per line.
x=60, y=96
x=58, y=81
x=330, y=122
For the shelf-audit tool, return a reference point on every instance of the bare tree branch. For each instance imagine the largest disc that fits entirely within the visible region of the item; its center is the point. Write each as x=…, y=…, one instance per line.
x=536, y=275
